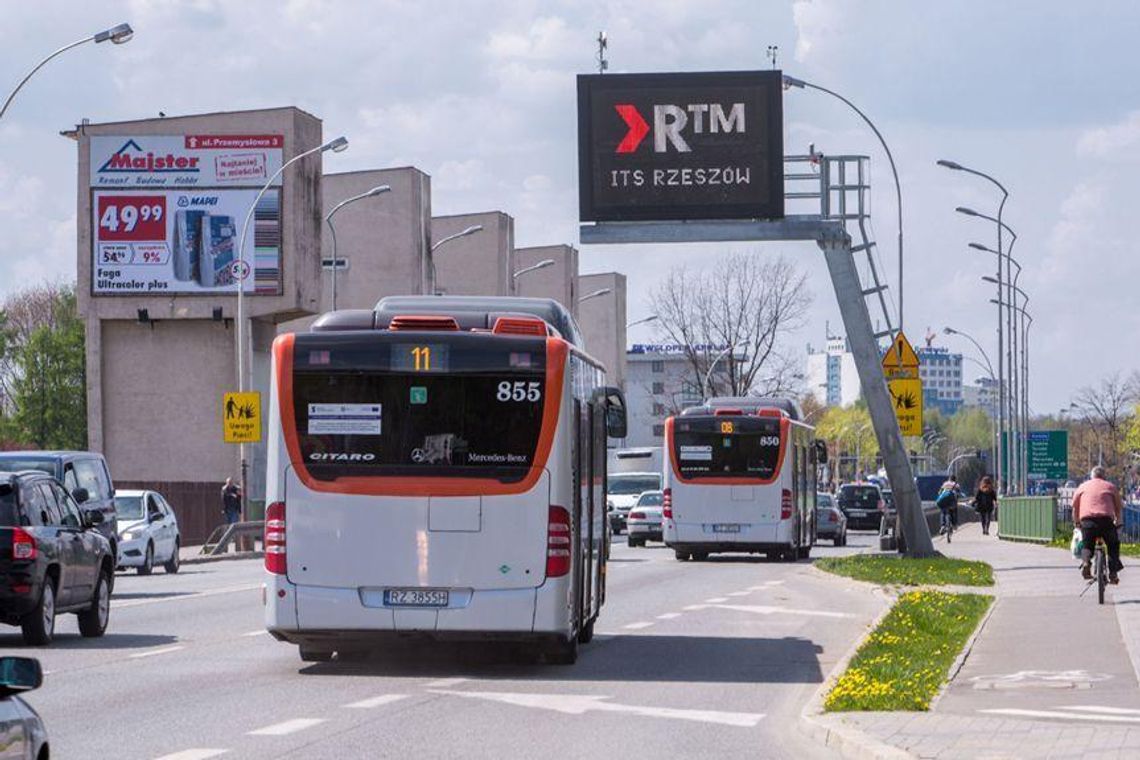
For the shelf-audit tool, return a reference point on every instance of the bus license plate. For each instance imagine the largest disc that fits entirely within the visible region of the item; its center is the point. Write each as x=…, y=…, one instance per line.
x=726, y=528
x=415, y=597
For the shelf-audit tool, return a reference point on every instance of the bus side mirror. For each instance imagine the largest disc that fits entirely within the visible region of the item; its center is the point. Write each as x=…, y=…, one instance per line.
x=821, y=452
x=616, y=424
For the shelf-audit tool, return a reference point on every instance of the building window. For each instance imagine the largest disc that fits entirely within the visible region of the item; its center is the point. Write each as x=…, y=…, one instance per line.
x=658, y=431
x=657, y=366
x=658, y=409
x=658, y=388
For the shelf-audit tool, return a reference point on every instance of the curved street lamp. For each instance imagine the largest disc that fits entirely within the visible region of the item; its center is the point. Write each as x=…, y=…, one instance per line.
x=116, y=34
x=596, y=294
x=332, y=230
x=650, y=318
x=721, y=355
x=533, y=268
x=435, y=246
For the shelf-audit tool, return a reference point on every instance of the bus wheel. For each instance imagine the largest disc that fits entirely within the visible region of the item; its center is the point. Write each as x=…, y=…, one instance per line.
x=700, y=556
x=315, y=655
x=789, y=555
x=563, y=651
x=805, y=551
x=682, y=556
x=586, y=634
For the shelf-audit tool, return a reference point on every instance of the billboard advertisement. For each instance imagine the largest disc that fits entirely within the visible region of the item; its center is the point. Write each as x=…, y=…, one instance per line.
x=167, y=214
x=705, y=145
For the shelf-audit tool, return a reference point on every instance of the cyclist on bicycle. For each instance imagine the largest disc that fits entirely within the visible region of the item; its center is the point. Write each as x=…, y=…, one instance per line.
x=947, y=502
x=1097, y=509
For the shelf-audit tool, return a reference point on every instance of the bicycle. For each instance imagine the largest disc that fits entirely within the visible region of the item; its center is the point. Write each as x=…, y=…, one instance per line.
x=947, y=528
x=1099, y=570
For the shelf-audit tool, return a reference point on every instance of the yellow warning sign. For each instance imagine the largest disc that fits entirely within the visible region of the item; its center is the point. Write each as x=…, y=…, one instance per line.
x=241, y=417
x=906, y=398
x=900, y=360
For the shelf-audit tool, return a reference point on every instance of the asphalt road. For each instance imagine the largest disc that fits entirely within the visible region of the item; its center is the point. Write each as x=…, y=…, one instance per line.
x=690, y=659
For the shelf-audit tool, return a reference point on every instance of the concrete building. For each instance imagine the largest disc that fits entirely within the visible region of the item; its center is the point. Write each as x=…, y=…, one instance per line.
x=159, y=206
x=603, y=320
x=478, y=264
x=660, y=382
x=558, y=281
x=941, y=375
x=831, y=375
x=983, y=393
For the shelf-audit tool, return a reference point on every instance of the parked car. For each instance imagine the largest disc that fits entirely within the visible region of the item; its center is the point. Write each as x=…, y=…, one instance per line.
x=148, y=532
x=83, y=473
x=862, y=504
x=21, y=727
x=52, y=558
x=830, y=522
x=644, y=519
x=622, y=491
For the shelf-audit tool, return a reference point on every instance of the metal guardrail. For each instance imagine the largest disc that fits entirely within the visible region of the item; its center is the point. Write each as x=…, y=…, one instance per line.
x=224, y=535
x=1028, y=518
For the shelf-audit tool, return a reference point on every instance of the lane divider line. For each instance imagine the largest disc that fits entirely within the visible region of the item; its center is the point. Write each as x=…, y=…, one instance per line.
x=636, y=626
x=380, y=701
x=200, y=753
x=716, y=600
x=740, y=593
x=669, y=616
x=1018, y=713
x=287, y=727
x=251, y=634
x=443, y=683
x=153, y=652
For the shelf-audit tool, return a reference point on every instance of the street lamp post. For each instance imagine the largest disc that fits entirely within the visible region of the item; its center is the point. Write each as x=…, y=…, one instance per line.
x=533, y=268
x=650, y=318
x=596, y=294
x=794, y=82
x=708, y=375
x=435, y=246
x=332, y=230
x=116, y=34
x=995, y=444
x=242, y=269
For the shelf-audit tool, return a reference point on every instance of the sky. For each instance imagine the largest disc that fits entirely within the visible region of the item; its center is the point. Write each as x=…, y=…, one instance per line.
x=1042, y=94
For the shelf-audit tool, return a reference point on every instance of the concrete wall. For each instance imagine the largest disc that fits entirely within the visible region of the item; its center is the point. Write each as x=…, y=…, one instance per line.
x=603, y=321
x=558, y=281
x=478, y=264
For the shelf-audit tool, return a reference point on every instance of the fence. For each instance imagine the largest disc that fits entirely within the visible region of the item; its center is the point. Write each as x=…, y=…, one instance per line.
x=1129, y=534
x=1028, y=518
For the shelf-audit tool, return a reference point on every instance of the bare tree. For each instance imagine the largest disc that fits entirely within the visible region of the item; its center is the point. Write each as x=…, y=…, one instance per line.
x=1107, y=409
x=731, y=315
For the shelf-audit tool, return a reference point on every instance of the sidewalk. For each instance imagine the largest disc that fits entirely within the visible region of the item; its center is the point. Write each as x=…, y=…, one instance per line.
x=1025, y=690
x=192, y=555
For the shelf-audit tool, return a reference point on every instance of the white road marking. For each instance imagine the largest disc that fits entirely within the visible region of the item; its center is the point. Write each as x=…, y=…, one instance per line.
x=443, y=683
x=740, y=593
x=577, y=704
x=694, y=607
x=1016, y=713
x=153, y=652
x=287, y=727
x=262, y=632
x=194, y=754
x=669, y=616
x=636, y=626
x=766, y=610
x=1106, y=710
x=380, y=701
x=716, y=600
x=196, y=595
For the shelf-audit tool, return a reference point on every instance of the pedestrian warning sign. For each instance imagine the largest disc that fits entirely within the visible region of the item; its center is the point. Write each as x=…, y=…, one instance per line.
x=241, y=417
x=900, y=360
x=906, y=398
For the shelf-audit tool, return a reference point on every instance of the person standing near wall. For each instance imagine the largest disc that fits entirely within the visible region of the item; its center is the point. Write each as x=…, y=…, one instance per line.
x=231, y=501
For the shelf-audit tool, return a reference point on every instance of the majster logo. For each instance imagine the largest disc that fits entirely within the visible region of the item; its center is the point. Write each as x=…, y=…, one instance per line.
x=132, y=159
x=671, y=121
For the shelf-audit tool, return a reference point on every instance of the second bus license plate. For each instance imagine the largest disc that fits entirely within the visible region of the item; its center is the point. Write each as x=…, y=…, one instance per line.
x=726, y=528
x=416, y=597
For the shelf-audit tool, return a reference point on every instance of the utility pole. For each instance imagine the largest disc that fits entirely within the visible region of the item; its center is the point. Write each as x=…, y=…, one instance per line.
x=603, y=43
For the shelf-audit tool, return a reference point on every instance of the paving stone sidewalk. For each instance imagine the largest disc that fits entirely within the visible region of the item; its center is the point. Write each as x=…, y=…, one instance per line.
x=1050, y=675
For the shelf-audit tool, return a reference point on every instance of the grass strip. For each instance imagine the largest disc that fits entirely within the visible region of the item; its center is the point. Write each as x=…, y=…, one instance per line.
x=905, y=660
x=1064, y=536
x=905, y=571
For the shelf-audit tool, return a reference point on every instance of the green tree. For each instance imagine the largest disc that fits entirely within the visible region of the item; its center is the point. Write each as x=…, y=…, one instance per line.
x=851, y=437
x=970, y=428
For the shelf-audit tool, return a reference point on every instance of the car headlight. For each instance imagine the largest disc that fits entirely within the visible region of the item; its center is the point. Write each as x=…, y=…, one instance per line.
x=128, y=535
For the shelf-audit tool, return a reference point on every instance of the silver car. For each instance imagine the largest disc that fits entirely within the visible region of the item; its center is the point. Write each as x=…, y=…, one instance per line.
x=22, y=732
x=148, y=531
x=830, y=522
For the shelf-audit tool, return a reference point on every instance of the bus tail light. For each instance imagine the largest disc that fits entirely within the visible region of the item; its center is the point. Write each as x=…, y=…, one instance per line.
x=422, y=322
x=275, y=538
x=727, y=412
x=667, y=503
x=519, y=326
x=23, y=544
x=558, y=542
x=785, y=504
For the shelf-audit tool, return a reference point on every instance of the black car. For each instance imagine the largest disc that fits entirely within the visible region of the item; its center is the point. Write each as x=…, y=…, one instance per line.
x=52, y=558
x=83, y=473
x=863, y=505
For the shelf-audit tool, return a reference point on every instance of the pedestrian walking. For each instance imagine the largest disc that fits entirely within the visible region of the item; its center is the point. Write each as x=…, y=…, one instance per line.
x=985, y=502
x=231, y=501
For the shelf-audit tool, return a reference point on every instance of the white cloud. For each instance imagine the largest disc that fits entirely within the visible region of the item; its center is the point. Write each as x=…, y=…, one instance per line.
x=1117, y=142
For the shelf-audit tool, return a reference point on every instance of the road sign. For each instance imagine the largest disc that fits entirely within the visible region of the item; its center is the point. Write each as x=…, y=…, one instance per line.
x=704, y=145
x=241, y=417
x=239, y=270
x=900, y=360
x=906, y=398
x=1048, y=454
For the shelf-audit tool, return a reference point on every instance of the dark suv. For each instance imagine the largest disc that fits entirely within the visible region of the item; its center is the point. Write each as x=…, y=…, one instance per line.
x=83, y=473
x=52, y=558
x=863, y=505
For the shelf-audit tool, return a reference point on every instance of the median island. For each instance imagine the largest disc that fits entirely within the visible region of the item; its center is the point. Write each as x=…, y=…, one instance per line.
x=905, y=661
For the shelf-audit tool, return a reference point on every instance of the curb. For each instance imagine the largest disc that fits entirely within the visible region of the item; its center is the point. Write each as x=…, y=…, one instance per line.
x=847, y=741
x=204, y=559
x=960, y=660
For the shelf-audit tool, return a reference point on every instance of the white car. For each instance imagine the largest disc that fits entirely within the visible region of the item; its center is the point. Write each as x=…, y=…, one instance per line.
x=148, y=531
x=622, y=491
x=644, y=520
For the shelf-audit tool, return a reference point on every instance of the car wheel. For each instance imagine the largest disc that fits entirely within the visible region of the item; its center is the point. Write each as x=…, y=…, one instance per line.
x=38, y=626
x=563, y=651
x=838, y=540
x=682, y=556
x=93, y=620
x=804, y=552
x=315, y=655
x=172, y=565
x=586, y=633
x=700, y=556
x=148, y=561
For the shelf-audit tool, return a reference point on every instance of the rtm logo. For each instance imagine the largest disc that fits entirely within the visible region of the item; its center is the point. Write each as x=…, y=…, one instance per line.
x=670, y=120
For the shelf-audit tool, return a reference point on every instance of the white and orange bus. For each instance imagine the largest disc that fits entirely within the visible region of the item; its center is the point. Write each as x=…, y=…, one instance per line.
x=740, y=477
x=436, y=469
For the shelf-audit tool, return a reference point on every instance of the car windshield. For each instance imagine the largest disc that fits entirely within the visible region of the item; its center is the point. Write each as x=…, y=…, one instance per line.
x=650, y=499
x=629, y=485
x=129, y=507
x=18, y=464
x=824, y=500
x=866, y=497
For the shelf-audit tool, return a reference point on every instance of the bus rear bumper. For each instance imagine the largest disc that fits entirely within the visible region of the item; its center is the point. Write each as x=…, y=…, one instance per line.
x=709, y=547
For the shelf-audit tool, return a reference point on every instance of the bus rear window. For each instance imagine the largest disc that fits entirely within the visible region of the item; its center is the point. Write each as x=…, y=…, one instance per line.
x=707, y=447
x=462, y=406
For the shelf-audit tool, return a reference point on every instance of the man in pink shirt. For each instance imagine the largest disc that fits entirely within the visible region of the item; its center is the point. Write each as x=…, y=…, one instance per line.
x=1097, y=509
